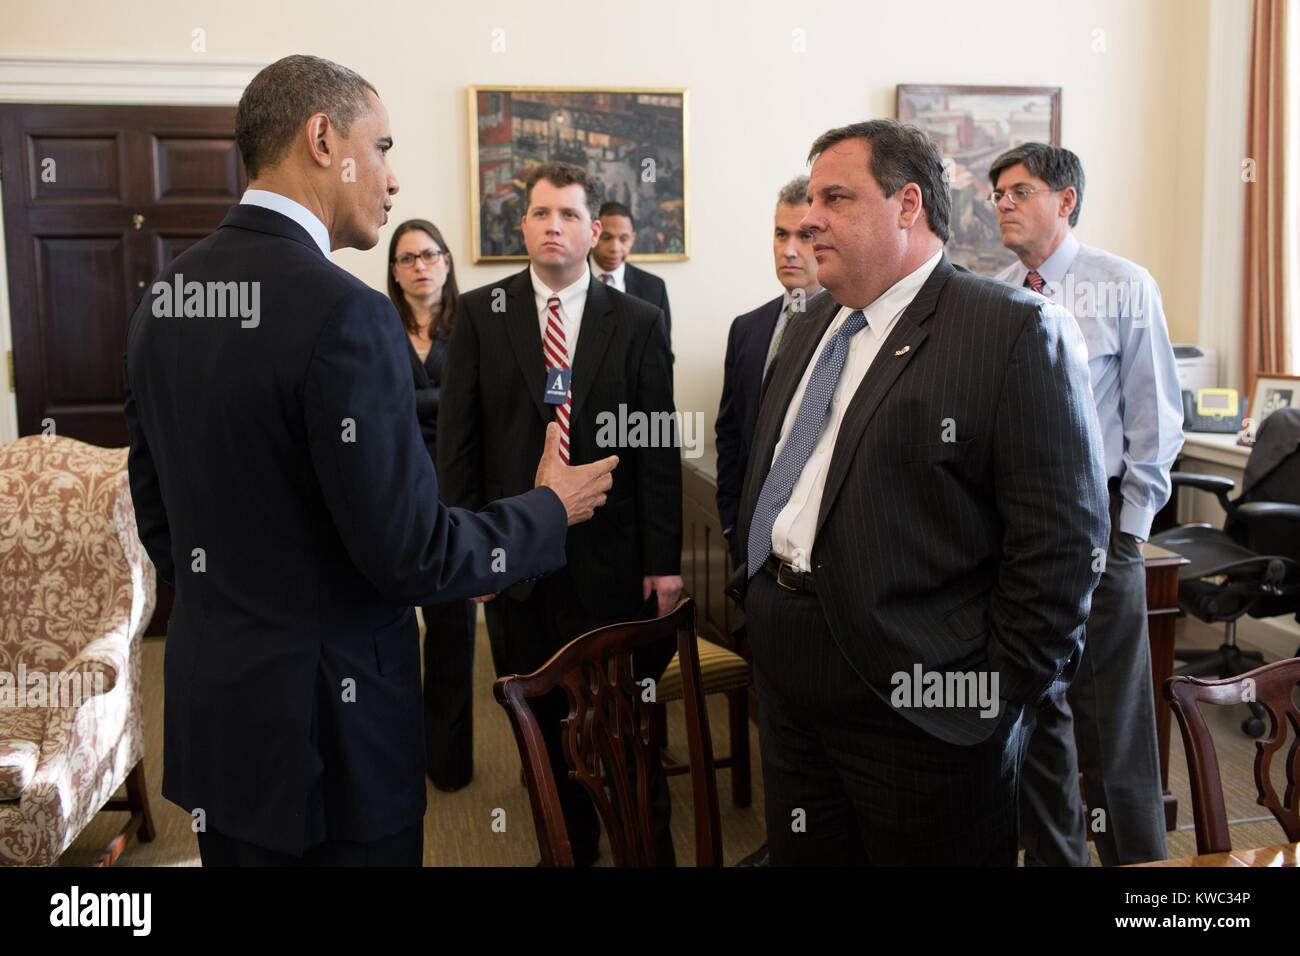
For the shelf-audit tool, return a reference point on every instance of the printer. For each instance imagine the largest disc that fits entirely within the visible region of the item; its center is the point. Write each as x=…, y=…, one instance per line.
x=1198, y=367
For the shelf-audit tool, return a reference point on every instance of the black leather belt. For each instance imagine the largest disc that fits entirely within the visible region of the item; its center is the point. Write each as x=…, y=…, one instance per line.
x=788, y=576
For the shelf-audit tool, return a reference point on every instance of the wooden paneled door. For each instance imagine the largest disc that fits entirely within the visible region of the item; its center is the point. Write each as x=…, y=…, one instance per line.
x=97, y=201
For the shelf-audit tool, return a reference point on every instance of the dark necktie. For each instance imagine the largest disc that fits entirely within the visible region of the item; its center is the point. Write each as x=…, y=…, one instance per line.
x=772, y=349
x=802, y=439
x=1035, y=281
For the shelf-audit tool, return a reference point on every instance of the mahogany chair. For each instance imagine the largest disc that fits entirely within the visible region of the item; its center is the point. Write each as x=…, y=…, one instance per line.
x=610, y=737
x=1272, y=687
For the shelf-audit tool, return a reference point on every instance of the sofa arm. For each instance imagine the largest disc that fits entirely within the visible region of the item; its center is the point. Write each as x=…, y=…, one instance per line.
x=106, y=655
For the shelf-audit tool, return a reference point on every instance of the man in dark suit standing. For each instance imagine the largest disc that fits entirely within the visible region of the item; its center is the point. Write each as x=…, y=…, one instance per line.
x=551, y=343
x=281, y=483
x=752, y=344
x=609, y=262
x=922, y=519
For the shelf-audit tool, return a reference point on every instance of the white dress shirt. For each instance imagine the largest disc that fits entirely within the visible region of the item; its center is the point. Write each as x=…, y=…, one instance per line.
x=796, y=525
x=616, y=277
x=1131, y=363
x=294, y=210
x=573, y=300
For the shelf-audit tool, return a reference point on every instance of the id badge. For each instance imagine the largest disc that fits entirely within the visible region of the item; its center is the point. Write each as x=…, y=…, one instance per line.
x=557, y=385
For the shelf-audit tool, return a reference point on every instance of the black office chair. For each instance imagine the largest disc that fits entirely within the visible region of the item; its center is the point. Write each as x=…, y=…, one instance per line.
x=1252, y=565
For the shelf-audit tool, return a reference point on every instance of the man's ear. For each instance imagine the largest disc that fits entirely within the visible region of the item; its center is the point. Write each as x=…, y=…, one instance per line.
x=1069, y=199
x=909, y=198
x=318, y=131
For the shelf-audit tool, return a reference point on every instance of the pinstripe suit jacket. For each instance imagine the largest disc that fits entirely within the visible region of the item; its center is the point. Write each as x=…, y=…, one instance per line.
x=965, y=497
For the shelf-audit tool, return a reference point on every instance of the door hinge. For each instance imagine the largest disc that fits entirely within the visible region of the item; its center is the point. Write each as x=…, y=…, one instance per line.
x=9, y=364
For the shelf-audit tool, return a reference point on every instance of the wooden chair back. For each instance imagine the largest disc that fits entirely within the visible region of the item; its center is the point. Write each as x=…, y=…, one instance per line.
x=1272, y=686
x=610, y=738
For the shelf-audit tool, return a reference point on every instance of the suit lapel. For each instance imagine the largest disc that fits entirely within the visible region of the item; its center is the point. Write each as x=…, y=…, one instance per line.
x=593, y=339
x=524, y=331
x=630, y=281
x=762, y=343
x=896, y=352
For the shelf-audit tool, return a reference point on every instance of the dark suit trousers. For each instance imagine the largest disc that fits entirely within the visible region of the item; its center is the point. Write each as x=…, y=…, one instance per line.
x=847, y=780
x=1110, y=710
x=449, y=693
x=524, y=635
x=404, y=848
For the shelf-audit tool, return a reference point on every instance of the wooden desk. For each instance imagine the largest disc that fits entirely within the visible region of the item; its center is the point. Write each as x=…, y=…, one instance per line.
x=1162, y=612
x=706, y=566
x=1281, y=855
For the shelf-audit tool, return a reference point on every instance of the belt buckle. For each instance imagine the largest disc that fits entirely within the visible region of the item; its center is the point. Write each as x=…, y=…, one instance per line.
x=779, y=569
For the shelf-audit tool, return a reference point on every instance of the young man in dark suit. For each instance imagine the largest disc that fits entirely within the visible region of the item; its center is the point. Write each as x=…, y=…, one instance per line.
x=514, y=340
x=752, y=345
x=281, y=483
x=609, y=262
x=922, y=522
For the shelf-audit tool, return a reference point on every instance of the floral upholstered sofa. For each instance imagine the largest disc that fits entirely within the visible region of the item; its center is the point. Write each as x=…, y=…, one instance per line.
x=76, y=592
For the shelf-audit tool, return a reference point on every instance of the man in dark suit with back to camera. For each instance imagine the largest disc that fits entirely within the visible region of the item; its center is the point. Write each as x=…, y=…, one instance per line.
x=553, y=343
x=920, y=518
x=609, y=262
x=281, y=483
x=752, y=345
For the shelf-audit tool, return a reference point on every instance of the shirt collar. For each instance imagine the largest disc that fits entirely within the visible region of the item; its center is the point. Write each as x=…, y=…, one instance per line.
x=1056, y=265
x=293, y=210
x=616, y=275
x=569, y=296
x=882, y=313
x=788, y=297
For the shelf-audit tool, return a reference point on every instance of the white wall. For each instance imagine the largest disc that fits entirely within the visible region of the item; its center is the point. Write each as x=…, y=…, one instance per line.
x=1135, y=111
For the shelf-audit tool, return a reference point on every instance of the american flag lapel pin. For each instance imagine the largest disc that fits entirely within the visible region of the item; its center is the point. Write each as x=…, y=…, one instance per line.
x=904, y=350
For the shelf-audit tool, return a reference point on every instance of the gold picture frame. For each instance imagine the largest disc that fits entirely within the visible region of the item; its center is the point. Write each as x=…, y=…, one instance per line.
x=662, y=211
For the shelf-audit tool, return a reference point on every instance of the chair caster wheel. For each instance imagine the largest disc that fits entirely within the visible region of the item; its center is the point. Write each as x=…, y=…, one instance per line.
x=1252, y=727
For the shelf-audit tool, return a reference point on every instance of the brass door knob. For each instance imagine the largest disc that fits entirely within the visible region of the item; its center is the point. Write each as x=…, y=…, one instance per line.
x=137, y=220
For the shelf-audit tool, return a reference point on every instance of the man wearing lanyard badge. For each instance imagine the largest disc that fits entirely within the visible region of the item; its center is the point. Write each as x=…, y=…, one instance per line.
x=550, y=344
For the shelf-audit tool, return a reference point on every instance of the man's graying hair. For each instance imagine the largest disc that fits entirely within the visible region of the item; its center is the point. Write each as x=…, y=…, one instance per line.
x=1054, y=165
x=794, y=193
x=900, y=155
x=282, y=96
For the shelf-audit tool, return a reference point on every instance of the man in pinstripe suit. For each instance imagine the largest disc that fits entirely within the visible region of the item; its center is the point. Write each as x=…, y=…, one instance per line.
x=925, y=514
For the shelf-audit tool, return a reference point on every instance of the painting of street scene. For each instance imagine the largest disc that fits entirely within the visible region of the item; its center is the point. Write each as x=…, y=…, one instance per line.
x=973, y=126
x=632, y=141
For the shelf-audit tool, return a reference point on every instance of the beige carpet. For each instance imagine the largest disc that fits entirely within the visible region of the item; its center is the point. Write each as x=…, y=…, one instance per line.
x=458, y=826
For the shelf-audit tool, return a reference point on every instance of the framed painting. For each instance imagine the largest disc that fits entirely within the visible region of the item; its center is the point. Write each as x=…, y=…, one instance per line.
x=972, y=126
x=631, y=140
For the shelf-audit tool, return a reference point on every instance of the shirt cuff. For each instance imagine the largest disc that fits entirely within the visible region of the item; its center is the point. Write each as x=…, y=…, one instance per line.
x=1136, y=521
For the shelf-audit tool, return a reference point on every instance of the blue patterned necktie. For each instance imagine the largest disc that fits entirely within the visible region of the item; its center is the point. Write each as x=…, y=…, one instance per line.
x=801, y=441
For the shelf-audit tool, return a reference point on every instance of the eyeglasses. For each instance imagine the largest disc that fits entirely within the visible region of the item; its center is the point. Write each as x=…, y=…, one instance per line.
x=407, y=259
x=1018, y=194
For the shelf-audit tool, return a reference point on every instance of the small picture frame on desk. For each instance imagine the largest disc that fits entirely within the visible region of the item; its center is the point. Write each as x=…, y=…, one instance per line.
x=1273, y=390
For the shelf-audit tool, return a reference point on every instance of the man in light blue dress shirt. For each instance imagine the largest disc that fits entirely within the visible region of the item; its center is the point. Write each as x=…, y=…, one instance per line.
x=1038, y=192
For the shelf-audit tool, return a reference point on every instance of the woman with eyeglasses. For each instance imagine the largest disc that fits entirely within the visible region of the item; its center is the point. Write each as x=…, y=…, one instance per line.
x=422, y=285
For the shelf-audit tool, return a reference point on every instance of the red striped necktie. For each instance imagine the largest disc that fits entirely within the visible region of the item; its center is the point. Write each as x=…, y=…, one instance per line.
x=556, y=353
x=1035, y=281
